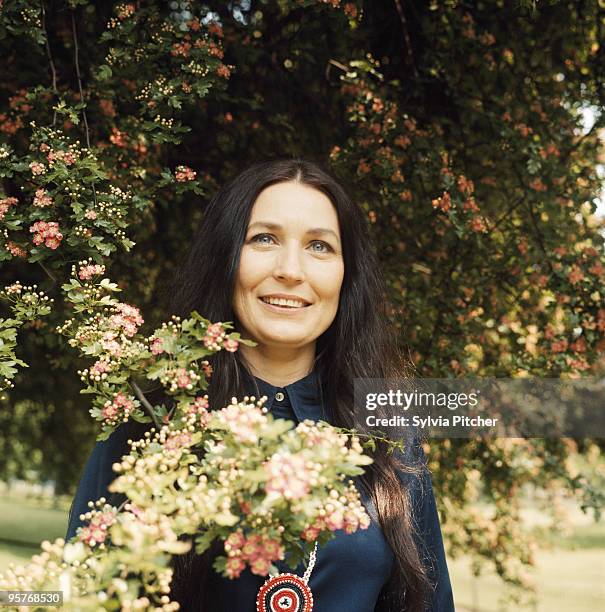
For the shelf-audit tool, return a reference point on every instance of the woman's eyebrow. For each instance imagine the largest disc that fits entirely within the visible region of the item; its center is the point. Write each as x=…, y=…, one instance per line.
x=265, y=224
x=318, y=231
x=313, y=231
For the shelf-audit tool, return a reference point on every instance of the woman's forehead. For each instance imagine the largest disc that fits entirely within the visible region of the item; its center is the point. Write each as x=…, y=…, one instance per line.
x=293, y=202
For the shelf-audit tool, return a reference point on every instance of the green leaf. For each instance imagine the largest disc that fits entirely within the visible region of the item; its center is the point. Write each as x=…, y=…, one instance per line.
x=203, y=541
x=104, y=72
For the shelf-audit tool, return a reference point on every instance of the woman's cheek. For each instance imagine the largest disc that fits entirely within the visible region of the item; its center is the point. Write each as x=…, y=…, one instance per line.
x=329, y=282
x=253, y=268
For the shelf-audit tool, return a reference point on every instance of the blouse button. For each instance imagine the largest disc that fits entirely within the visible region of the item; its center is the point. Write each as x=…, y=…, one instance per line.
x=279, y=396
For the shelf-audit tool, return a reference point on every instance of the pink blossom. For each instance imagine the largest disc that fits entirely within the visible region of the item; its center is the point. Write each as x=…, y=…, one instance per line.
x=363, y=167
x=176, y=441
x=182, y=378
x=123, y=400
x=234, y=567
x=214, y=330
x=37, y=168
x=258, y=550
x=272, y=548
x=575, y=275
x=335, y=520
x=234, y=542
x=242, y=422
x=559, y=346
x=5, y=204
x=91, y=215
x=157, y=346
x=15, y=288
x=100, y=367
x=478, y=224
x=42, y=199
x=538, y=185
x=310, y=534
x=231, y=345
x=223, y=71
x=403, y=141
x=131, y=312
x=260, y=566
x=183, y=49
x=109, y=343
x=210, y=342
x=128, y=327
x=444, y=202
x=214, y=334
x=200, y=407
x=201, y=403
x=410, y=125
x=118, y=138
x=121, y=406
x=107, y=108
x=184, y=174
x=125, y=10
x=87, y=272
x=53, y=243
x=47, y=233
x=109, y=412
x=523, y=129
x=264, y=552
x=206, y=369
x=577, y=364
x=127, y=319
x=96, y=531
x=215, y=28
x=470, y=205
x=287, y=475
x=67, y=157
x=350, y=10
x=250, y=547
x=15, y=250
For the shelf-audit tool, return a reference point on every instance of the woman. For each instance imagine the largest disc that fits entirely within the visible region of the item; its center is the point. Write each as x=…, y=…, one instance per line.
x=285, y=254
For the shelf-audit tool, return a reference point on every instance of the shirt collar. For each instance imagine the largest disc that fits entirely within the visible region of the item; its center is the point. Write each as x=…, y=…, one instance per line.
x=306, y=396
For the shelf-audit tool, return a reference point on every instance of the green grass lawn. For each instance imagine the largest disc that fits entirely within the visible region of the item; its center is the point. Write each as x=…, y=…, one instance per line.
x=565, y=580
x=12, y=553
x=24, y=520
x=570, y=576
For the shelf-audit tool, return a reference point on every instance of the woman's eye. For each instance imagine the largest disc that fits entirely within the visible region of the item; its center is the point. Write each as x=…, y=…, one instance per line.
x=319, y=246
x=262, y=239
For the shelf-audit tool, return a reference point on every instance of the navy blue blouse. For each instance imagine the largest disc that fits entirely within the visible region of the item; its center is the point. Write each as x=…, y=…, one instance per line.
x=351, y=569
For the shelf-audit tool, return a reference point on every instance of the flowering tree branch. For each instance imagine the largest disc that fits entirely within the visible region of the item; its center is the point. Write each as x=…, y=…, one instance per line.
x=141, y=397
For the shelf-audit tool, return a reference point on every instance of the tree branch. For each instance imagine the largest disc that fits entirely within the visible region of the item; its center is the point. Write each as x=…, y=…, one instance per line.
x=406, y=36
x=51, y=62
x=141, y=397
x=79, y=77
x=48, y=272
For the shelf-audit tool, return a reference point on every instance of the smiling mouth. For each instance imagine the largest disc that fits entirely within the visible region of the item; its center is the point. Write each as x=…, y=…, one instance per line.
x=284, y=303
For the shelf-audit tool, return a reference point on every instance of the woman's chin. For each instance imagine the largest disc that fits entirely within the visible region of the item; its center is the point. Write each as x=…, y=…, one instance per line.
x=286, y=339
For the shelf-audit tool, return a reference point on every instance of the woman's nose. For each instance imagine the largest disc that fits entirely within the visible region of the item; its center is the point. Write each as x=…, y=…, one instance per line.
x=289, y=265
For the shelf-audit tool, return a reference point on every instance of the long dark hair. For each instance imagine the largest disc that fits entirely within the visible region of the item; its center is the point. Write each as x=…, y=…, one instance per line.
x=358, y=344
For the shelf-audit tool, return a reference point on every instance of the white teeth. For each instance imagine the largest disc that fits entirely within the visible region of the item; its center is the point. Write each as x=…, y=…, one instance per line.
x=284, y=302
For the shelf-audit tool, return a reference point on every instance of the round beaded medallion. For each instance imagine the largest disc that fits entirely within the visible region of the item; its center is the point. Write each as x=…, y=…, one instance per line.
x=284, y=593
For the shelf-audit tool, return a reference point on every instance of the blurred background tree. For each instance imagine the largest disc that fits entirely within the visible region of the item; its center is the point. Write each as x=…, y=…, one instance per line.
x=471, y=133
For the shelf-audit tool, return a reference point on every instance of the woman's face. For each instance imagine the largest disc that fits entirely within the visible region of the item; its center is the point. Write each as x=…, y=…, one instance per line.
x=291, y=267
